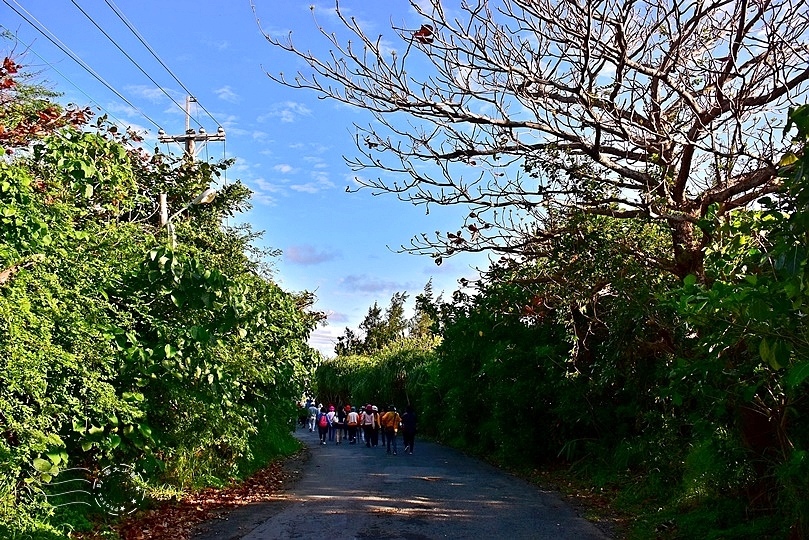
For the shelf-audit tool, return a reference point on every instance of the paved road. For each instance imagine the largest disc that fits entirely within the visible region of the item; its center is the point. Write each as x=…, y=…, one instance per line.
x=354, y=492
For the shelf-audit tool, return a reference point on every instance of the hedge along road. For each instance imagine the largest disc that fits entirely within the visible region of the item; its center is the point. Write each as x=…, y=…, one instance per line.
x=354, y=492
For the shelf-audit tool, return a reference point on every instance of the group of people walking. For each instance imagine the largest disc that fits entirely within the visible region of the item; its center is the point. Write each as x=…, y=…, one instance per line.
x=369, y=425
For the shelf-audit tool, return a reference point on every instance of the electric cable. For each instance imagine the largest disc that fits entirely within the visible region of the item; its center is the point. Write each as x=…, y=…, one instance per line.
x=65, y=77
x=111, y=4
x=65, y=49
x=132, y=60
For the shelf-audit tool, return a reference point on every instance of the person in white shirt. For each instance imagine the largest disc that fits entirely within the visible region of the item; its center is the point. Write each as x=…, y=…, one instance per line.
x=313, y=410
x=352, y=420
x=368, y=422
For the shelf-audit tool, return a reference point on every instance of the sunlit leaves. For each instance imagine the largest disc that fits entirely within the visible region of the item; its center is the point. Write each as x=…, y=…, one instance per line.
x=132, y=351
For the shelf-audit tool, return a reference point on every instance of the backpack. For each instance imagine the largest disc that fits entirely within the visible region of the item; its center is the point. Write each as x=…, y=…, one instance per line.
x=324, y=421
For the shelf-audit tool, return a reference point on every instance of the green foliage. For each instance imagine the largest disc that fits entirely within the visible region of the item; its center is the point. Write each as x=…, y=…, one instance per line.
x=115, y=349
x=379, y=330
x=687, y=397
x=394, y=374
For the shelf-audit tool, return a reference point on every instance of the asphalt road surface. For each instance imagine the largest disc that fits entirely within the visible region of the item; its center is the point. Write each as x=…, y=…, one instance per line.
x=354, y=492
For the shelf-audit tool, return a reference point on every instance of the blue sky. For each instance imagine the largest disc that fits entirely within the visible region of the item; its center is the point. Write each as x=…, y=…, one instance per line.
x=288, y=145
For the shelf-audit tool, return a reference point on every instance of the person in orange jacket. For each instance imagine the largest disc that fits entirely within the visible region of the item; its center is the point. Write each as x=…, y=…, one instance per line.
x=390, y=423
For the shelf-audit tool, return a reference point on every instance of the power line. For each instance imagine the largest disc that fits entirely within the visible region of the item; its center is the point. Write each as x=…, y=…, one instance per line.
x=130, y=58
x=65, y=77
x=65, y=49
x=111, y=4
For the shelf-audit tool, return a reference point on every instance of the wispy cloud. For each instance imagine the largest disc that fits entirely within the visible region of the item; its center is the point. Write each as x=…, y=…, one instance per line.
x=284, y=168
x=306, y=255
x=221, y=45
x=287, y=112
x=324, y=339
x=155, y=95
x=226, y=93
x=320, y=182
x=335, y=317
x=368, y=284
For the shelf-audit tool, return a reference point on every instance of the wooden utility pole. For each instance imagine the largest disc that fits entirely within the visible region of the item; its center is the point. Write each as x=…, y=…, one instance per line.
x=189, y=140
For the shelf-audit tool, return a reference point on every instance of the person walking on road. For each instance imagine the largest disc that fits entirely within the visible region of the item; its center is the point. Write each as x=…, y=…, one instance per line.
x=352, y=420
x=338, y=422
x=346, y=410
x=367, y=422
x=409, y=429
x=390, y=423
x=382, y=429
x=313, y=410
x=377, y=426
x=322, y=425
x=331, y=416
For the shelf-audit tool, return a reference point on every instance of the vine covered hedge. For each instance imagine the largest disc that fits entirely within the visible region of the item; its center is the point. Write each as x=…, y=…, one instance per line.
x=116, y=349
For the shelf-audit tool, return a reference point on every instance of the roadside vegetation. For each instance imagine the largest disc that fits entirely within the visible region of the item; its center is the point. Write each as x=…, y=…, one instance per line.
x=676, y=403
x=639, y=168
x=118, y=353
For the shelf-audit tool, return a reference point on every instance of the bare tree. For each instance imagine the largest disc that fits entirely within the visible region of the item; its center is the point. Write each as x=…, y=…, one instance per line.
x=525, y=110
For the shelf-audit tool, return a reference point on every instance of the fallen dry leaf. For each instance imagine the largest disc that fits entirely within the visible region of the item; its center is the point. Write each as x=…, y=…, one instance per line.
x=176, y=520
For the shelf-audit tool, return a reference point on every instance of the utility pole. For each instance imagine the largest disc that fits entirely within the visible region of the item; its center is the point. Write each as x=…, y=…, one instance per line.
x=189, y=140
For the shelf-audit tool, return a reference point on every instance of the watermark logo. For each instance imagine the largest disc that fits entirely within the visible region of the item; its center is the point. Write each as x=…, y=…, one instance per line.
x=116, y=490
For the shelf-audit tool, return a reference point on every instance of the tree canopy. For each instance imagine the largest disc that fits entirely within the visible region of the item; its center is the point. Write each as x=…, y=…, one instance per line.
x=527, y=110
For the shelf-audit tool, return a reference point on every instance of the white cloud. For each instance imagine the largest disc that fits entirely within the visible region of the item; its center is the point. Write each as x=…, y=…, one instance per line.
x=320, y=182
x=324, y=340
x=226, y=93
x=151, y=93
x=283, y=168
x=306, y=255
x=368, y=284
x=286, y=112
x=267, y=187
x=222, y=45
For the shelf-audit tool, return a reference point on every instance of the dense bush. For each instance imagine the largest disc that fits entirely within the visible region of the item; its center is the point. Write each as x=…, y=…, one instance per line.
x=116, y=349
x=686, y=396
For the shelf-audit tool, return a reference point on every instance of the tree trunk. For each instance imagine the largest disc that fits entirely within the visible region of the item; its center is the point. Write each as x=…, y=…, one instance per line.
x=688, y=243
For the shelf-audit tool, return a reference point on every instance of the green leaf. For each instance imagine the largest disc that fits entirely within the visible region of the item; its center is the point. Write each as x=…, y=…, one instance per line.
x=115, y=441
x=781, y=351
x=171, y=350
x=788, y=159
x=132, y=396
x=146, y=430
x=797, y=374
x=88, y=191
x=42, y=465
x=690, y=280
x=765, y=352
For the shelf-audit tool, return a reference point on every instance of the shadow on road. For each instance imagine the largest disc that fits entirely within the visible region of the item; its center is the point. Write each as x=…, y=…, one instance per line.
x=350, y=491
